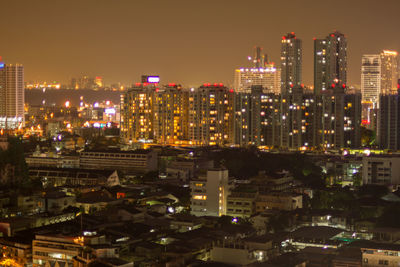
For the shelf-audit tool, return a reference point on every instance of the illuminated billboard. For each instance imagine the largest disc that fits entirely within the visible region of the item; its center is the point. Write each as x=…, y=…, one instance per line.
x=110, y=111
x=1, y=65
x=153, y=79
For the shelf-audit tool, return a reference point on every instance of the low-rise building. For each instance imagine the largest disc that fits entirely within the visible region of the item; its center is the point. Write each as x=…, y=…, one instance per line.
x=96, y=201
x=241, y=204
x=376, y=254
x=55, y=250
x=279, y=181
x=381, y=170
x=184, y=223
x=140, y=160
x=242, y=252
x=279, y=201
x=16, y=250
x=343, y=170
x=56, y=202
x=53, y=177
x=55, y=161
x=184, y=168
x=10, y=226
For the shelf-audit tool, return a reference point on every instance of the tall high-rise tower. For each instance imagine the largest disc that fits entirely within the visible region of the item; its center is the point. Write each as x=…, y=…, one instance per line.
x=330, y=61
x=371, y=79
x=137, y=114
x=389, y=72
x=11, y=96
x=291, y=60
x=258, y=59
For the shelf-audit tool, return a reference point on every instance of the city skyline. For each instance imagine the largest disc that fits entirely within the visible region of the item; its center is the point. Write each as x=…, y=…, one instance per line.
x=122, y=41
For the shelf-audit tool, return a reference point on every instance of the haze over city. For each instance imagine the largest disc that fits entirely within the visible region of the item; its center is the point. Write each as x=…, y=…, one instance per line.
x=189, y=42
x=199, y=133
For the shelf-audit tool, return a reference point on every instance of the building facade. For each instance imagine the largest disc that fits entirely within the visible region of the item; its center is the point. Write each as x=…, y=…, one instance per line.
x=330, y=61
x=54, y=251
x=210, y=193
x=12, y=96
x=381, y=170
x=269, y=77
x=170, y=115
x=139, y=160
x=137, y=114
x=371, y=79
x=211, y=115
x=389, y=72
x=291, y=62
x=388, y=133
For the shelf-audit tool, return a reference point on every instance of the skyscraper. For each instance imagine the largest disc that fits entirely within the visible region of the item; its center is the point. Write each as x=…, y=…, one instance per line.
x=291, y=62
x=137, y=114
x=337, y=118
x=258, y=59
x=170, y=114
x=291, y=118
x=371, y=79
x=389, y=72
x=11, y=96
x=388, y=133
x=262, y=73
x=248, y=117
x=211, y=115
x=330, y=61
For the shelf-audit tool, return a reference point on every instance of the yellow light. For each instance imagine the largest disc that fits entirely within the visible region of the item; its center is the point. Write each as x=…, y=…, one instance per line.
x=389, y=53
x=9, y=262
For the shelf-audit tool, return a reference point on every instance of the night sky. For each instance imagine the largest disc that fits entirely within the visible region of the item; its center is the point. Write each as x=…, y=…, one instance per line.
x=188, y=41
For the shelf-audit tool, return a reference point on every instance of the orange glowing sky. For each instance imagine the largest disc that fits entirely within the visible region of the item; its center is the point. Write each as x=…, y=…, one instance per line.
x=183, y=41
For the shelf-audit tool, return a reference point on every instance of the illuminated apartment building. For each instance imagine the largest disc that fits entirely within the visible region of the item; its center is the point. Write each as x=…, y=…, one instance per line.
x=248, y=117
x=262, y=73
x=268, y=77
x=337, y=118
x=170, y=115
x=55, y=250
x=291, y=118
x=256, y=118
x=371, y=79
x=370, y=88
x=330, y=61
x=269, y=118
x=291, y=62
x=211, y=115
x=209, y=193
x=389, y=72
x=11, y=96
x=137, y=114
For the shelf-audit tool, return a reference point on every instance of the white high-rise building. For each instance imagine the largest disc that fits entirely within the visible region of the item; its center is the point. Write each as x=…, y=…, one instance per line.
x=209, y=193
x=371, y=79
x=268, y=77
x=389, y=72
x=11, y=96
